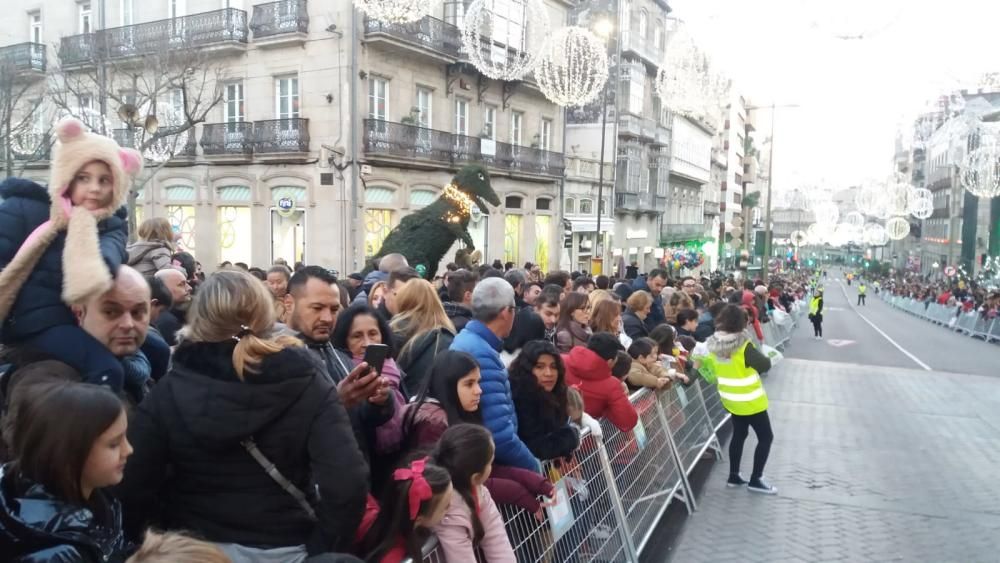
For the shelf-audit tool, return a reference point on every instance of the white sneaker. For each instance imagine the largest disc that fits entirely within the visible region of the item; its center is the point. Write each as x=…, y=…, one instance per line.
x=761, y=486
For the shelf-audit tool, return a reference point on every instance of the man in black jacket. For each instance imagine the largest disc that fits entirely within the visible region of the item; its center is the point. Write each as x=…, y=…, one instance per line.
x=535, y=323
x=170, y=322
x=313, y=303
x=459, y=308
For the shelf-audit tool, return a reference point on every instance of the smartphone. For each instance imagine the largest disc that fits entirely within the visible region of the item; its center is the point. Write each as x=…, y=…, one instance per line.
x=375, y=355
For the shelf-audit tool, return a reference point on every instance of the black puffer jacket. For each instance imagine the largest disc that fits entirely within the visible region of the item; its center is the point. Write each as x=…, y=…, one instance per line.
x=546, y=431
x=459, y=314
x=634, y=326
x=190, y=472
x=36, y=527
x=39, y=304
x=417, y=361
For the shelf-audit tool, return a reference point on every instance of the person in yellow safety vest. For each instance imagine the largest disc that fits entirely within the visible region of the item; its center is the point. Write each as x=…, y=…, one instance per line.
x=862, y=290
x=816, y=313
x=734, y=365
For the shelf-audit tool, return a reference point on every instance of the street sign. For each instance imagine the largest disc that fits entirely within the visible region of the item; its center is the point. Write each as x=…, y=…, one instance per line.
x=949, y=271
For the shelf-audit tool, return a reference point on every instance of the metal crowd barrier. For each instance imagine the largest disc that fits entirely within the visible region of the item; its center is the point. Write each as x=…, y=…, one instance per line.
x=971, y=324
x=620, y=484
x=618, y=487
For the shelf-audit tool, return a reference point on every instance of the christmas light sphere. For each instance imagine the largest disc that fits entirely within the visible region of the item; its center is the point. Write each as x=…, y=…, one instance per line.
x=394, y=11
x=684, y=82
x=845, y=233
x=868, y=197
x=855, y=219
x=498, y=49
x=898, y=196
x=980, y=170
x=874, y=234
x=798, y=238
x=922, y=208
x=573, y=68
x=897, y=228
x=826, y=213
x=819, y=233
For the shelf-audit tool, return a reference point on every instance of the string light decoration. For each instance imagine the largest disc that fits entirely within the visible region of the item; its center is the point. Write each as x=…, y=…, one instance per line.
x=394, y=11
x=798, y=238
x=980, y=169
x=462, y=204
x=573, y=68
x=684, y=81
x=855, y=219
x=897, y=228
x=168, y=144
x=898, y=196
x=504, y=39
x=921, y=203
x=26, y=143
x=845, y=233
x=874, y=235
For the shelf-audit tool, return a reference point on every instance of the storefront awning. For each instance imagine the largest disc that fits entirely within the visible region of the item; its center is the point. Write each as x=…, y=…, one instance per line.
x=590, y=225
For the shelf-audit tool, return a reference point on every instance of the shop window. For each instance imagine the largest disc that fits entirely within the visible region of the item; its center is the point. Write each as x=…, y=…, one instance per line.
x=378, y=223
x=512, y=238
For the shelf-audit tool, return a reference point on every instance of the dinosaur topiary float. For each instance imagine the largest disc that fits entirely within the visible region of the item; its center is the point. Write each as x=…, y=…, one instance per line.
x=424, y=237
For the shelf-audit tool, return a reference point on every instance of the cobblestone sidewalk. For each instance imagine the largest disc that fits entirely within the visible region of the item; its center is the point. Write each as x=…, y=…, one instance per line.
x=872, y=464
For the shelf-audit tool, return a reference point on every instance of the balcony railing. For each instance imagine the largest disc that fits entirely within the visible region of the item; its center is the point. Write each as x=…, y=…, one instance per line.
x=167, y=140
x=625, y=201
x=427, y=32
x=290, y=135
x=23, y=57
x=197, y=30
x=234, y=138
x=384, y=138
x=277, y=18
x=671, y=232
x=636, y=126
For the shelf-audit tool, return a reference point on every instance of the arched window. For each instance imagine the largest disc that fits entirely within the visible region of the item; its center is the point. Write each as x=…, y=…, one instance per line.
x=421, y=198
x=235, y=224
x=586, y=207
x=643, y=22
x=658, y=34
x=513, y=202
x=378, y=218
x=543, y=204
x=570, y=206
x=180, y=213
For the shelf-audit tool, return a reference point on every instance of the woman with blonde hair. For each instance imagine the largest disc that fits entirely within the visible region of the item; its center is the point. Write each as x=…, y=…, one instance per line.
x=637, y=308
x=168, y=547
x=236, y=402
x=153, y=251
x=599, y=295
x=678, y=302
x=377, y=294
x=422, y=328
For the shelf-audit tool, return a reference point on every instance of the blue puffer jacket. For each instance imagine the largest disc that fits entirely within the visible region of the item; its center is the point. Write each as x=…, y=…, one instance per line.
x=657, y=315
x=39, y=305
x=496, y=403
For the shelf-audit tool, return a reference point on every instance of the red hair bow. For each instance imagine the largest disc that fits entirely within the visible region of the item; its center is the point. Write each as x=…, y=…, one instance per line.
x=420, y=490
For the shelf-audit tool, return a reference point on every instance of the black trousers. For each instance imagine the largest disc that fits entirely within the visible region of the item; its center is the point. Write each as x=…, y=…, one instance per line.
x=861, y=299
x=817, y=325
x=741, y=428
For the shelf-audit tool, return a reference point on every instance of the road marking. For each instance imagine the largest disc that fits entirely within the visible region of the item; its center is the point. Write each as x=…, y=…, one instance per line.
x=825, y=309
x=884, y=335
x=840, y=343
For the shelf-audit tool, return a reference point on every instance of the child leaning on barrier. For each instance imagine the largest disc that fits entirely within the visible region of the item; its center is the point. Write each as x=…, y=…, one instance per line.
x=646, y=370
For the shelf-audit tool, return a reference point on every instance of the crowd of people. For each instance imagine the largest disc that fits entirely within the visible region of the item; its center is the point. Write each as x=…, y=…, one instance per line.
x=285, y=414
x=963, y=296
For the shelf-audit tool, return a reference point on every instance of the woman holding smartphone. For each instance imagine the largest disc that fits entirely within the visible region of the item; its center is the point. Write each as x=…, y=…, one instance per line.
x=362, y=334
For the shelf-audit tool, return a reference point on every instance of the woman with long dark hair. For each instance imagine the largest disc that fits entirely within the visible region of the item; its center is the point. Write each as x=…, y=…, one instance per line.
x=449, y=396
x=69, y=444
x=538, y=385
x=574, y=322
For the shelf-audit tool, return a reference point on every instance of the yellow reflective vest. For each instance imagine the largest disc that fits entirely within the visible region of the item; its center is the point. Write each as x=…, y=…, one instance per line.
x=814, y=305
x=862, y=289
x=740, y=387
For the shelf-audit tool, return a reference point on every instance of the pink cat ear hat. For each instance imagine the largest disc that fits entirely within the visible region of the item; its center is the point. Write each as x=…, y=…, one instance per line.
x=85, y=274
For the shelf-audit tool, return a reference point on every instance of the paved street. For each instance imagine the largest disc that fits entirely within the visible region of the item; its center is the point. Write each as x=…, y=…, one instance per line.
x=876, y=458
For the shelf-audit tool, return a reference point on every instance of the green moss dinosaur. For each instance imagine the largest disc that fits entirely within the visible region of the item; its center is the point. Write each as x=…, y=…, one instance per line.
x=424, y=237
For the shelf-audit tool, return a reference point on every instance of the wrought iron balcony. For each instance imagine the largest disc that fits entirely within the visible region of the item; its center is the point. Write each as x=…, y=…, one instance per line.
x=279, y=18
x=673, y=232
x=227, y=25
x=290, y=135
x=23, y=58
x=166, y=139
x=427, y=33
x=627, y=202
x=399, y=140
x=235, y=138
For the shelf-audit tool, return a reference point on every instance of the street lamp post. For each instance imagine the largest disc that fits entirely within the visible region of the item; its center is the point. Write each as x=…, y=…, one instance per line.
x=770, y=182
x=604, y=28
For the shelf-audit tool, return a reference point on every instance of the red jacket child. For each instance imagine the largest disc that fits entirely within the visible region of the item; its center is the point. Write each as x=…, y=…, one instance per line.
x=588, y=370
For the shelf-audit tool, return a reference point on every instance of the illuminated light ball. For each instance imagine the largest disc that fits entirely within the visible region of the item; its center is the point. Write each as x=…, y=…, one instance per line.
x=897, y=228
x=798, y=238
x=501, y=51
x=874, y=234
x=394, y=11
x=573, y=68
x=980, y=170
x=922, y=208
x=855, y=219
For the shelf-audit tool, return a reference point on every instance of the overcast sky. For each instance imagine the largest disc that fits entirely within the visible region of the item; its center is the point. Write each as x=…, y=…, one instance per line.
x=854, y=93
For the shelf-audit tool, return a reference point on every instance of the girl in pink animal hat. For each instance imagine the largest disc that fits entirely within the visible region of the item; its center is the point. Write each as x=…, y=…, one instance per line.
x=62, y=247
